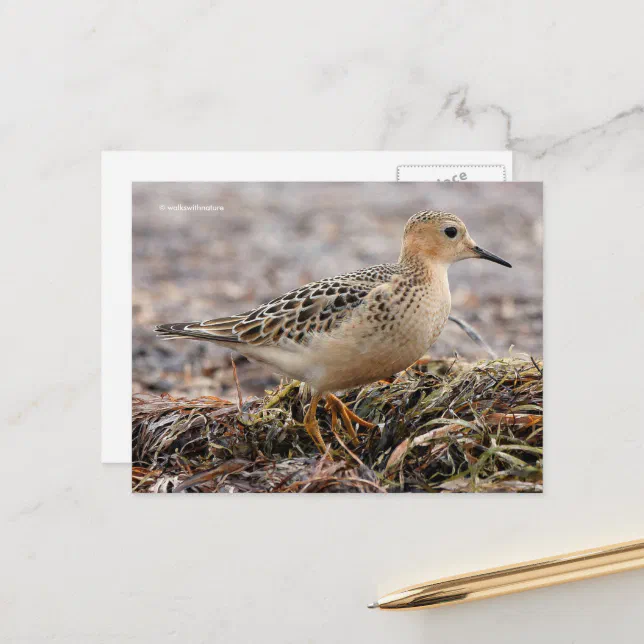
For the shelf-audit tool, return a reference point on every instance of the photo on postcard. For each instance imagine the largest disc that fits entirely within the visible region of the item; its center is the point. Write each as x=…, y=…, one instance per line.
x=305, y=337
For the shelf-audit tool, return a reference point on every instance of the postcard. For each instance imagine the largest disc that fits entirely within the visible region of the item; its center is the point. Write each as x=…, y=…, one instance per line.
x=121, y=169
x=336, y=336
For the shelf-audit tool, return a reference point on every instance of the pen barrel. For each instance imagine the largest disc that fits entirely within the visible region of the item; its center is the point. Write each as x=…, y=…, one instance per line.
x=494, y=582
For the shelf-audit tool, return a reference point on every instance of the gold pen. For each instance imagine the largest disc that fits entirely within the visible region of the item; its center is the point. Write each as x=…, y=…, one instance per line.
x=494, y=582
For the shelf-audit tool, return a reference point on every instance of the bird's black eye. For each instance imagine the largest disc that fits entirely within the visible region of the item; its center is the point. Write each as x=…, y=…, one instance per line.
x=451, y=232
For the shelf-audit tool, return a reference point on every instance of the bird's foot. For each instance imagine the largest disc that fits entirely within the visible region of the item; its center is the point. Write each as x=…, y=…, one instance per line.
x=312, y=427
x=335, y=405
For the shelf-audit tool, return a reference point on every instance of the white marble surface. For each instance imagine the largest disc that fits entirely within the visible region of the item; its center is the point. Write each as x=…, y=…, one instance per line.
x=557, y=83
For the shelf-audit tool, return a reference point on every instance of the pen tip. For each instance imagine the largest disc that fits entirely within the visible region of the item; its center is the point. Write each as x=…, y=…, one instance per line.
x=374, y=605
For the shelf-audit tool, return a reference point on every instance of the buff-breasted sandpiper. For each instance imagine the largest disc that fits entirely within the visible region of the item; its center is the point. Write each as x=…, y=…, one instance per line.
x=352, y=329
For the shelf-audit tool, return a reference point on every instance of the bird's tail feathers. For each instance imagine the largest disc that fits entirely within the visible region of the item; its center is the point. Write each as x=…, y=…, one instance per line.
x=194, y=331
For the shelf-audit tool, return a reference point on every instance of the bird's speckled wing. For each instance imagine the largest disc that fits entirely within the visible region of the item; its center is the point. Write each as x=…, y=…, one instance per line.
x=317, y=307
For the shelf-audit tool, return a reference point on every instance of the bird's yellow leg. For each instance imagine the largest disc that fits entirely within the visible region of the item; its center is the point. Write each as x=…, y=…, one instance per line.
x=334, y=416
x=311, y=424
x=348, y=417
x=346, y=421
x=345, y=410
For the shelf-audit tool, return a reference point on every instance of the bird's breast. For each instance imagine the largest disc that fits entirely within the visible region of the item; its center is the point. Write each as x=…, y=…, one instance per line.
x=386, y=337
x=422, y=318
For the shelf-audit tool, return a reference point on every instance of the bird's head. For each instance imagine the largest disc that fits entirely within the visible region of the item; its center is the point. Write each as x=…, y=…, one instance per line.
x=442, y=237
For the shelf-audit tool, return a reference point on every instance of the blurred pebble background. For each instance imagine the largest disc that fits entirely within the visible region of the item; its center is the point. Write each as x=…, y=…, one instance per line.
x=271, y=237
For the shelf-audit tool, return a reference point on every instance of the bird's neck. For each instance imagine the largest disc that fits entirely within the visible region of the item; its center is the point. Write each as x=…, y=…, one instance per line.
x=423, y=268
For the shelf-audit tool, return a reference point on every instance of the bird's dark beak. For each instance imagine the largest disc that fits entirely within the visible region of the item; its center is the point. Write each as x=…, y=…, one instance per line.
x=485, y=254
